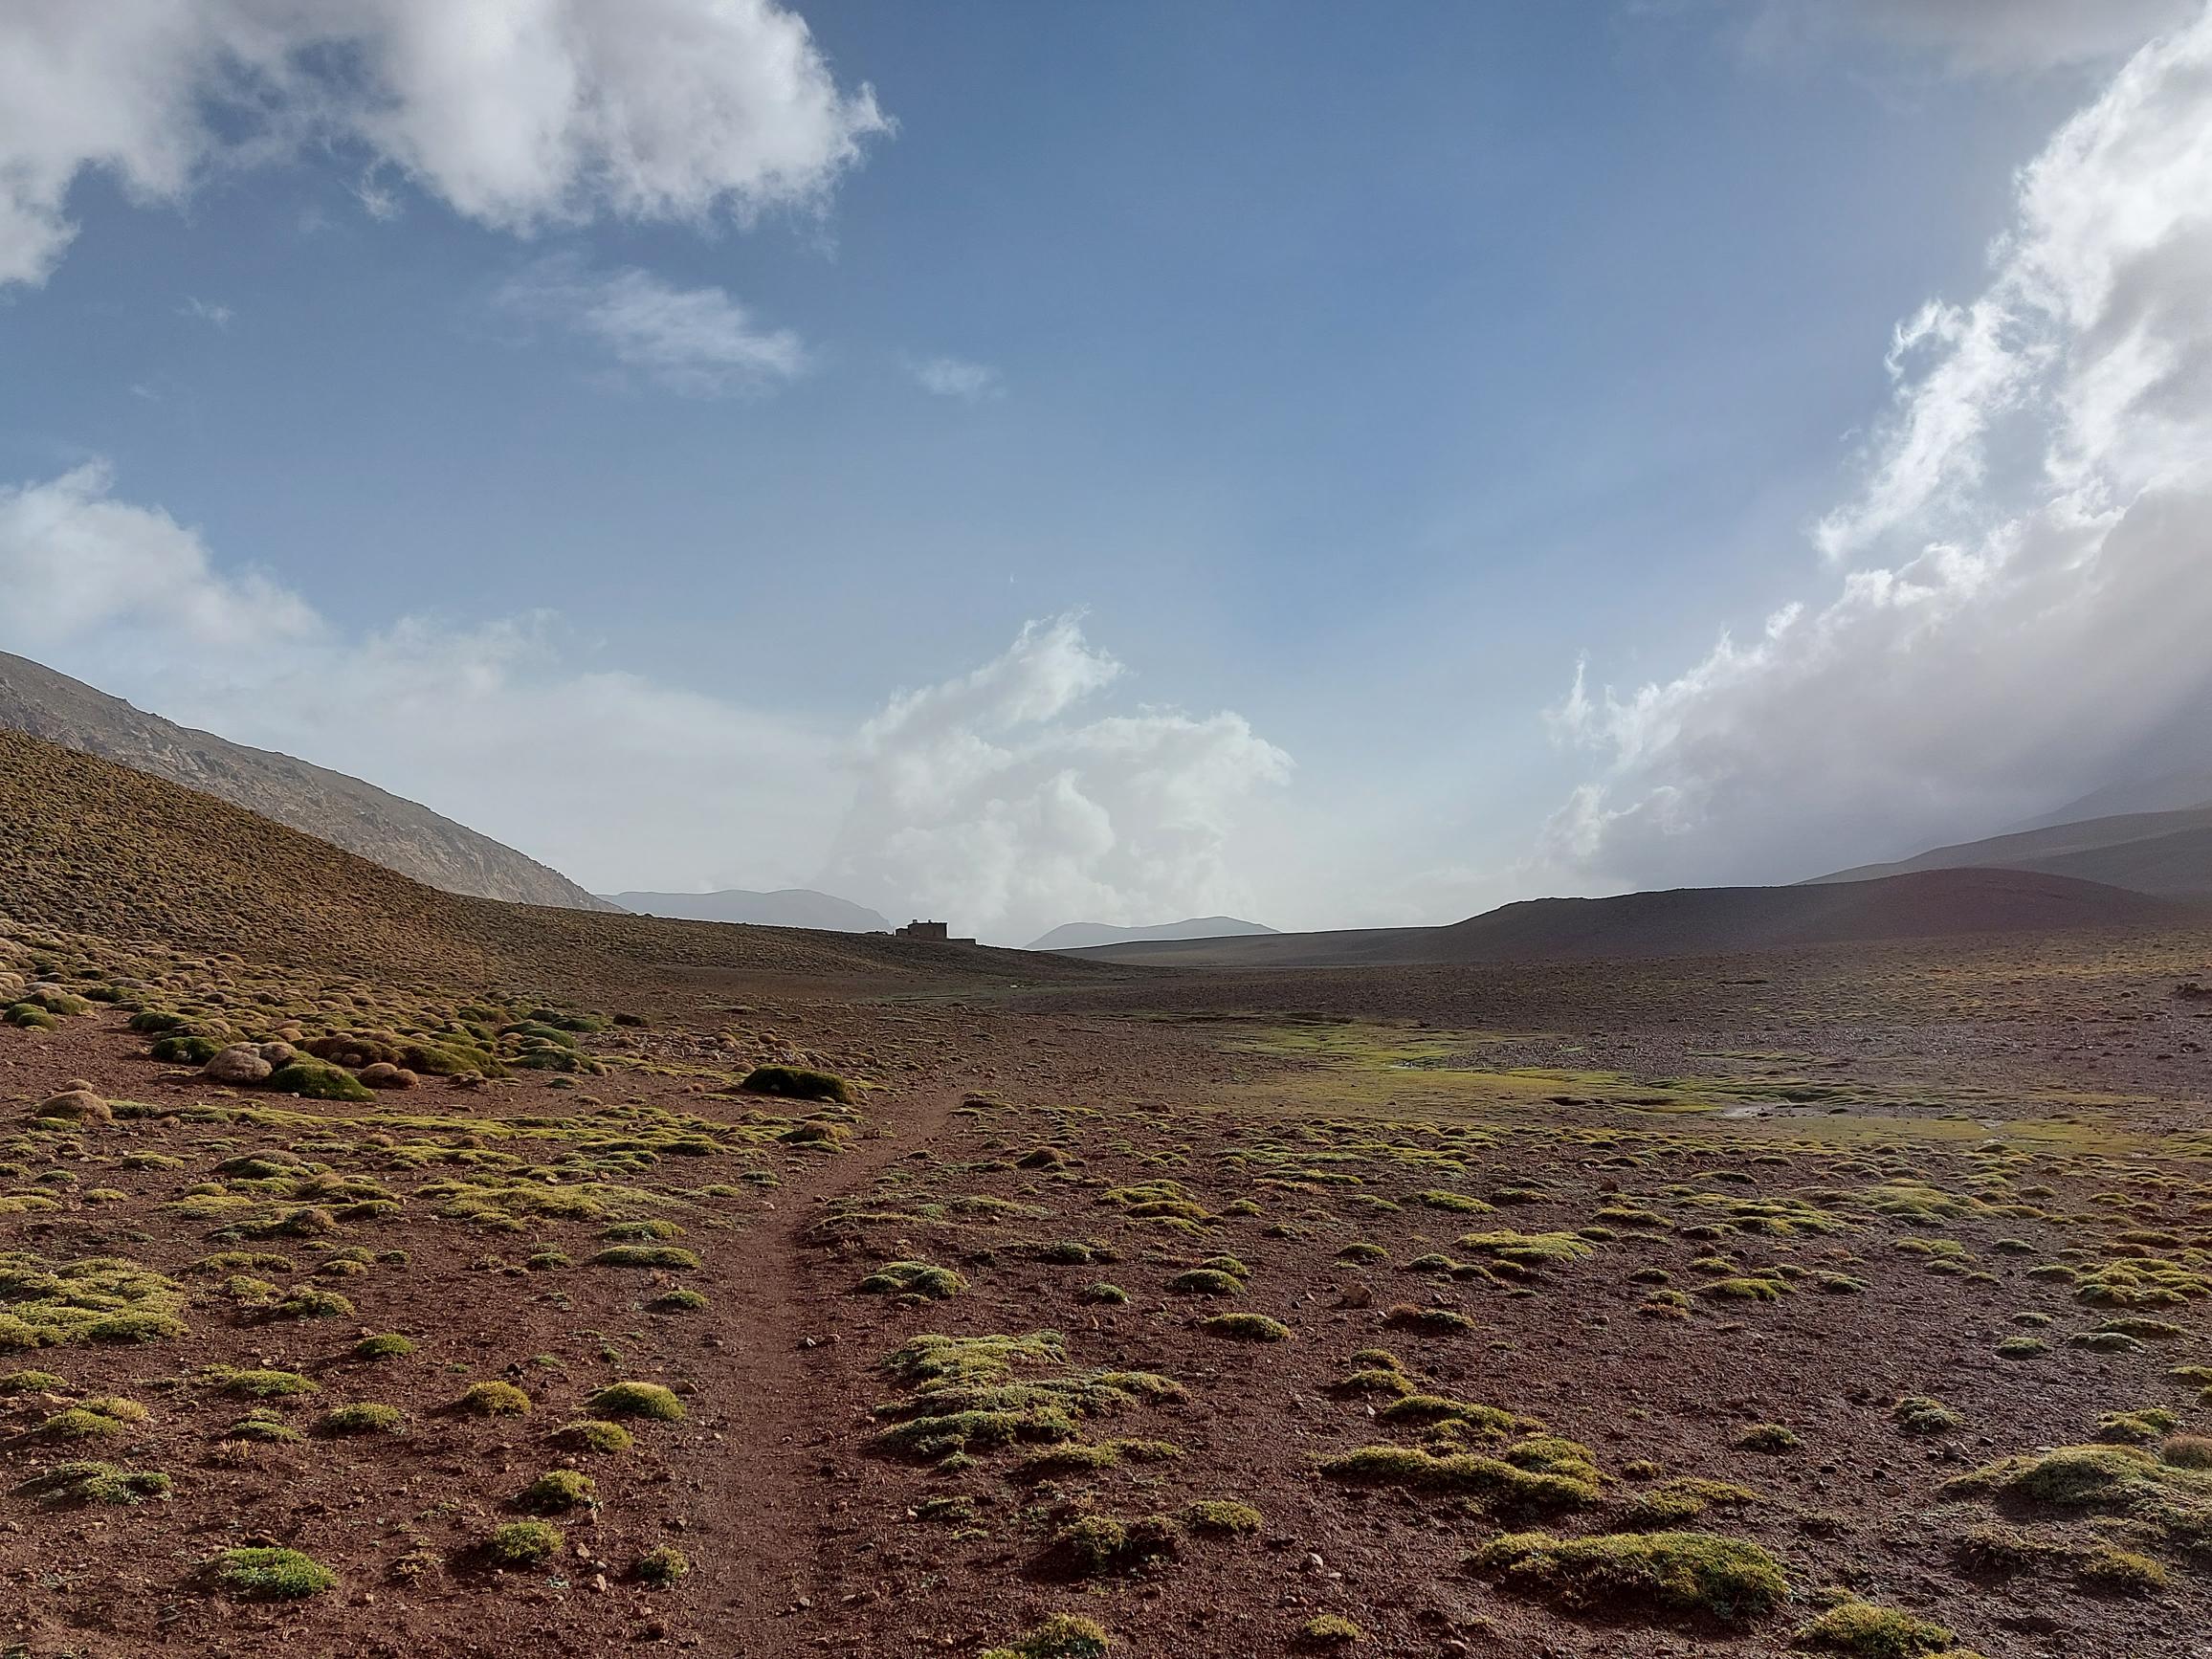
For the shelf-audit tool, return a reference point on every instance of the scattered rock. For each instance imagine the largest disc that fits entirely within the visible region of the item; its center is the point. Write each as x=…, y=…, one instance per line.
x=240, y=1063
x=77, y=1104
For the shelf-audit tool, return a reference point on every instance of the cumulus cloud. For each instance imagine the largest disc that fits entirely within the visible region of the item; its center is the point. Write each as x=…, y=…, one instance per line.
x=699, y=341
x=957, y=378
x=1975, y=36
x=2025, y=587
x=74, y=561
x=519, y=114
x=1002, y=797
x=1000, y=802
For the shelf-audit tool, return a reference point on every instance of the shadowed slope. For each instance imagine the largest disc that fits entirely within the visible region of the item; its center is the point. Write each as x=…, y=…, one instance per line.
x=1695, y=921
x=2163, y=852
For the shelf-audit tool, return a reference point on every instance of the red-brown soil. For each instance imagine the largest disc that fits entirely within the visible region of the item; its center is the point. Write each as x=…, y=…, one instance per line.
x=1981, y=1077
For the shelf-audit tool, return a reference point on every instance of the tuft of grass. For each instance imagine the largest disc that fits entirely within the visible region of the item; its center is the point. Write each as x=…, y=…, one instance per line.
x=921, y=1279
x=1871, y=1632
x=263, y=1426
x=384, y=1345
x=1921, y=1414
x=589, y=1434
x=1062, y=1636
x=647, y=1400
x=660, y=1566
x=1682, y=1499
x=80, y=1481
x=1427, y=1321
x=1206, y=1282
x=1571, y=1485
x=318, y=1080
x=493, y=1399
x=2136, y=1428
x=1742, y=1288
x=1221, y=1515
x=362, y=1417
x=1095, y=1545
x=523, y=1543
x=2187, y=1452
x=84, y=1423
x=1246, y=1328
x=310, y=1302
x=558, y=1489
x=252, y=1385
x=270, y=1575
x=633, y=1255
x=1682, y=1572
x=2115, y=1571
x=1766, y=1437
x=1524, y=1249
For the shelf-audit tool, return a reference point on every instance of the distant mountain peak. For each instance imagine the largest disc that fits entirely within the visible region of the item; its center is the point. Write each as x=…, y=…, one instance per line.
x=2177, y=791
x=1084, y=934
x=385, y=829
x=784, y=907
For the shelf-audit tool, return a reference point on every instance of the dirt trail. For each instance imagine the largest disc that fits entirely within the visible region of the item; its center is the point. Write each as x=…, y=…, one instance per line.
x=762, y=1507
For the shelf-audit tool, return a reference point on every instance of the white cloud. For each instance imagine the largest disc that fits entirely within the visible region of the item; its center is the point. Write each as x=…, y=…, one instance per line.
x=696, y=341
x=205, y=311
x=995, y=801
x=956, y=377
x=991, y=796
x=2027, y=591
x=74, y=561
x=519, y=114
x=1975, y=36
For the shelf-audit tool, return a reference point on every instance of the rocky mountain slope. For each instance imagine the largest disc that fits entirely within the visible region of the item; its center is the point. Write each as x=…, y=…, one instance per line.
x=344, y=811
x=88, y=845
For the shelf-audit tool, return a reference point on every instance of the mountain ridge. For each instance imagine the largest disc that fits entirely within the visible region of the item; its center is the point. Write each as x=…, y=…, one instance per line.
x=781, y=907
x=1693, y=922
x=2168, y=853
x=345, y=812
x=1087, y=935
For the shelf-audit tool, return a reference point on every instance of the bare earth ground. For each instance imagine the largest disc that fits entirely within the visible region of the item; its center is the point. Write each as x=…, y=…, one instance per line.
x=1654, y=1250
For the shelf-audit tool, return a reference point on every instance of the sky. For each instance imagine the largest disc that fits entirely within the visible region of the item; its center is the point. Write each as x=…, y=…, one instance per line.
x=1334, y=465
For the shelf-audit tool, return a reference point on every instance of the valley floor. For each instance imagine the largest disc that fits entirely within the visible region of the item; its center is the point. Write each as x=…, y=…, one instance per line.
x=1851, y=1301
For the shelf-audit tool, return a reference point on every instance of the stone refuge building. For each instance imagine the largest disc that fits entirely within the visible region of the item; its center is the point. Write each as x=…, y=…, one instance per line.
x=931, y=933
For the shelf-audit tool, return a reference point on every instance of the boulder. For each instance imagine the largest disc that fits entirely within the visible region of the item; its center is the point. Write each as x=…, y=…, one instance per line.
x=76, y=1105
x=384, y=1074
x=278, y=1054
x=239, y=1063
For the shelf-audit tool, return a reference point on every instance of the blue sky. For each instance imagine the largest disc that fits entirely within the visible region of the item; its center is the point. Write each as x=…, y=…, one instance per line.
x=1348, y=374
